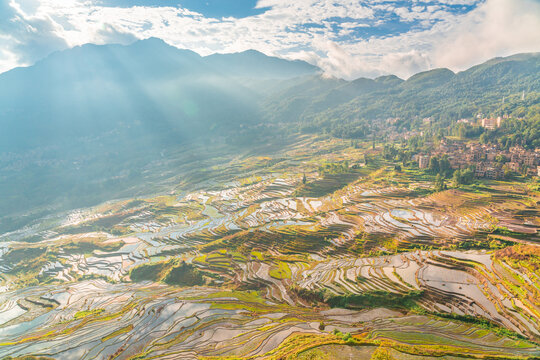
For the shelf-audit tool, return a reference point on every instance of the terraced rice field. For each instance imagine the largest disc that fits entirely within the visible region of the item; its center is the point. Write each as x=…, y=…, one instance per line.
x=269, y=262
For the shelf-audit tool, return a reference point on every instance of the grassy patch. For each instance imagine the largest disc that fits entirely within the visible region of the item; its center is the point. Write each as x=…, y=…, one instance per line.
x=281, y=271
x=245, y=296
x=171, y=272
x=82, y=314
x=88, y=245
x=151, y=272
x=327, y=185
x=27, y=254
x=184, y=275
x=376, y=298
x=483, y=323
x=257, y=255
x=118, y=332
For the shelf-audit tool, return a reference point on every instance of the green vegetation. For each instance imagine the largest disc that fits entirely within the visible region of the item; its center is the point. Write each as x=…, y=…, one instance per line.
x=349, y=110
x=440, y=166
x=439, y=183
x=514, y=131
x=311, y=296
x=88, y=245
x=82, y=314
x=376, y=298
x=334, y=168
x=243, y=296
x=258, y=255
x=118, y=332
x=501, y=230
x=366, y=299
x=382, y=353
x=24, y=255
x=463, y=177
x=150, y=271
x=281, y=271
x=184, y=275
x=171, y=272
x=483, y=323
x=327, y=185
x=290, y=239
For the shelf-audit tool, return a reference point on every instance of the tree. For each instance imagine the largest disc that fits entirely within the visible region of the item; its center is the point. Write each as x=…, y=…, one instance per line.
x=304, y=179
x=456, y=179
x=467, y=176
x=439, y=183
x=444, y=166
x=434, y=164
x=463, y=177
x=484, y=138
x=462, y=132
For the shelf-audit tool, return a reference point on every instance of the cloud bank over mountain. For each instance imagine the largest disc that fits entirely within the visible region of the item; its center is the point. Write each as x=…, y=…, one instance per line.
x=345, y=38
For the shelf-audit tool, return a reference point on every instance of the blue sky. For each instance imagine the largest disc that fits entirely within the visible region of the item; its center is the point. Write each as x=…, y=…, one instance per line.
x=346, y=38
x=208, y=8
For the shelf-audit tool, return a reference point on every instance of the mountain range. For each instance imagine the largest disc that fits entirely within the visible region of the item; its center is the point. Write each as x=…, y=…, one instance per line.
x=148, y=88
x=79, y=120
x=437, y=92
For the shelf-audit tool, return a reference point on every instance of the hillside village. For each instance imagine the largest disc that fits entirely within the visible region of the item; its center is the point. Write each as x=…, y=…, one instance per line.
x=486, y=160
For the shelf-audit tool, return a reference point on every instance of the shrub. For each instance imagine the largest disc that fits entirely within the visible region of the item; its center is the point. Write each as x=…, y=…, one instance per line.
x=381, y=354
x=184, y=275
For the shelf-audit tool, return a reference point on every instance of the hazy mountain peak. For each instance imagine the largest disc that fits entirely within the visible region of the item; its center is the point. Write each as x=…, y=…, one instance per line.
x=152, y=40
x=253, y=63
x=440, y=72
x=430, y=78
x=362, y=80
x=389, y=79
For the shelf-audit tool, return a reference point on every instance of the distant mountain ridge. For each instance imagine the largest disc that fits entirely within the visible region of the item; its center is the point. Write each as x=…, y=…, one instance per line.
x=247, y=63
x=427, y=93
x=252, y=63
x=92, y=89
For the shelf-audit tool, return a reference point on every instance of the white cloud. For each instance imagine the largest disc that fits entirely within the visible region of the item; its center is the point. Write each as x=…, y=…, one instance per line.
x=26, y=36
x=30, y=29
x=495, y=28
x=7, y=59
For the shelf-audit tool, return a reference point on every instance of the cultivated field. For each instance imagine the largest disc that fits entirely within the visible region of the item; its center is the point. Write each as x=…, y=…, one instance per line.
x=363, y=262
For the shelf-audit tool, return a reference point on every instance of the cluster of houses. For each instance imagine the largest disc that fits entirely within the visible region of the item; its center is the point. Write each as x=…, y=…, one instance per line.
x=488, y=160
x=489, y=123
